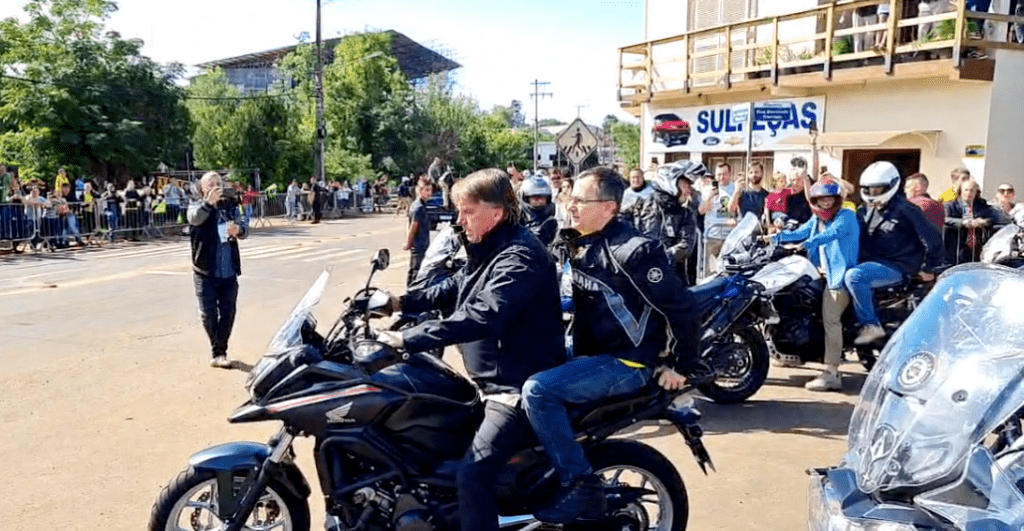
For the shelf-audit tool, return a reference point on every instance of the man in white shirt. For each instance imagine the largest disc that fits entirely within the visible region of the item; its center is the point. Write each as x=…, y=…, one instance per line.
x=637, y=191
x=718, y=222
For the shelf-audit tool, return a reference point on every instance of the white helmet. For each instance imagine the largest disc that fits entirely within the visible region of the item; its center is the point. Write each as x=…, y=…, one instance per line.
x=879, y=174
x=535, y=186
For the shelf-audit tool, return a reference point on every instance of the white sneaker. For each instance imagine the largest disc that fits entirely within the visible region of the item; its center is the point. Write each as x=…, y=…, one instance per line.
x=826, y=381
x=869, y=334
x=788, y=360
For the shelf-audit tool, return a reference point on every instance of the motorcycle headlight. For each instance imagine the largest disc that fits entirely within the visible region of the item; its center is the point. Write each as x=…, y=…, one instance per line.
x=825, y=512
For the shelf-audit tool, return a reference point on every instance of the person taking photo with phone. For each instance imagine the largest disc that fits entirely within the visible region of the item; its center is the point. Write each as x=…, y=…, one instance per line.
x=216, y=228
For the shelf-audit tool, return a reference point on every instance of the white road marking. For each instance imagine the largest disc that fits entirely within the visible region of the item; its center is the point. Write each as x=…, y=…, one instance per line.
x=335, y=255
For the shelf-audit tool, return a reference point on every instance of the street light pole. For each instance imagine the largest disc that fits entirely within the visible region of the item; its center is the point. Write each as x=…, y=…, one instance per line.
x=536, y=119
x=321, y=129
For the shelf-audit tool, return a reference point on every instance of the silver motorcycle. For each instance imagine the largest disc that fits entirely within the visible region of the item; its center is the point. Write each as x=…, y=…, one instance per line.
x=935, y=442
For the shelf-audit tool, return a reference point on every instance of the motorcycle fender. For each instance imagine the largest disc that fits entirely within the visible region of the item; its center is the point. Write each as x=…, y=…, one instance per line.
x=242, y=457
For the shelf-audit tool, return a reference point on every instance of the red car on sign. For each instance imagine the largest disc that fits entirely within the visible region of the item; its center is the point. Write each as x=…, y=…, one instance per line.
x=671, y=130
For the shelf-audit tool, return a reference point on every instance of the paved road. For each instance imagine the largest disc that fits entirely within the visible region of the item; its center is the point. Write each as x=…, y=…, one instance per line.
x=106, y=391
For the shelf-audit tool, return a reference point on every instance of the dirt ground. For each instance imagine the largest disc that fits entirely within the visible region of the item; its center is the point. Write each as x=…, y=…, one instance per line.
x=107, y=391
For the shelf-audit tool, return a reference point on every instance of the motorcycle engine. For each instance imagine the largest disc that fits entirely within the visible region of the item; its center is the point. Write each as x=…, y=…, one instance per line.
x=411, y=515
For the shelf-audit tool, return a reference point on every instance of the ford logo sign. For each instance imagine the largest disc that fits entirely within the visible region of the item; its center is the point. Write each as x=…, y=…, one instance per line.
x=711, y=141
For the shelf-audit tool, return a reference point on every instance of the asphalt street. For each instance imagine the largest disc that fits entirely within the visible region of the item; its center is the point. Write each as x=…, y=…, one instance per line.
x=107, y=391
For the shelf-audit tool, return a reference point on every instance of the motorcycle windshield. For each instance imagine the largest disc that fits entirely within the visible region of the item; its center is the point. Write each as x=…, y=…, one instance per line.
x=290, y=333
x=948, y=377
x=742, y=236
x=444, y=246
x=1000, y=245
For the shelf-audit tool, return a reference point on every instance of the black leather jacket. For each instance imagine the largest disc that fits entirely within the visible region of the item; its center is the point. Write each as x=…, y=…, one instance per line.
x=628, y=298
x=662, y=218
x=541, y=222
x=900, y=237
x=505, y=311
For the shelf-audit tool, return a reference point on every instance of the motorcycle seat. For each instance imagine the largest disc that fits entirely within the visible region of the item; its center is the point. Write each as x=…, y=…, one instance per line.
x=590, y=413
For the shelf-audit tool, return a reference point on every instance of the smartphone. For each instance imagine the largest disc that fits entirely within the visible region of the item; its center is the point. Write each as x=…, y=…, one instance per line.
x=714, y=184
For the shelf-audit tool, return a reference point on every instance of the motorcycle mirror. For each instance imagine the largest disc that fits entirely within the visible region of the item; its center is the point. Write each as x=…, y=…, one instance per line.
x=381, y=260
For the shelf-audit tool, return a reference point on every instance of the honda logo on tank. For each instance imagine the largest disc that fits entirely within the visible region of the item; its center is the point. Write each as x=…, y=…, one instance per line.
x=715, y=129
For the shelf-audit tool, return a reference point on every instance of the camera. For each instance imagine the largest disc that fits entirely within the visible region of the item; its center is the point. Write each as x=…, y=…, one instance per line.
x=229, y=193
x=714, y=183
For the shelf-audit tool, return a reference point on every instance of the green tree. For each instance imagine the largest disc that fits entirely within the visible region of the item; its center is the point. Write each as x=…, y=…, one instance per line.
x=627, y=142
x=247, y=132
x=79, y=97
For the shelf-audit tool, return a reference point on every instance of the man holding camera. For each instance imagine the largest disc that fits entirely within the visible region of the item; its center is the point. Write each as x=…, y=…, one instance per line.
x=216, y=263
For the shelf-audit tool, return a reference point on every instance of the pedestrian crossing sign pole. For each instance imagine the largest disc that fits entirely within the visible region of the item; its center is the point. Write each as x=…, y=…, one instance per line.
x=577, y=142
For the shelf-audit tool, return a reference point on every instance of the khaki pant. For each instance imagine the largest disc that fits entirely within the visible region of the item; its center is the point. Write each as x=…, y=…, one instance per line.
x=833, y=304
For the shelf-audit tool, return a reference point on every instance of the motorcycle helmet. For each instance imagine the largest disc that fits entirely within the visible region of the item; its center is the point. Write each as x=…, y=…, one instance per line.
x=826, y=189
x=667, y=180
x=535, y=186
x=880, y=174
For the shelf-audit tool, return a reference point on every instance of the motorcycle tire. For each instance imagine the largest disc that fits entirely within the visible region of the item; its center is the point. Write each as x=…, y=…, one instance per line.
x=625, y=459
x=749, y=375
x=189, y=480
x=866, y=356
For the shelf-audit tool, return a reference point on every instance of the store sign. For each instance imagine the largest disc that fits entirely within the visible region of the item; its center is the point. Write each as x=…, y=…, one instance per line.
x=716, y=129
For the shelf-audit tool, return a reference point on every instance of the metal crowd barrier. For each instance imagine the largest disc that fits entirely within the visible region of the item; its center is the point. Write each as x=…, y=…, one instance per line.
x=94, y=223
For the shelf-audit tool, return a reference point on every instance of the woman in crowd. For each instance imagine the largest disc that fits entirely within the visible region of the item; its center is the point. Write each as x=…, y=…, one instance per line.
x=969, y=219
x=831, y=238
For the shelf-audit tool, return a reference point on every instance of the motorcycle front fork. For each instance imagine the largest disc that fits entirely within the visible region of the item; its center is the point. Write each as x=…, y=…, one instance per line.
x=253, y=490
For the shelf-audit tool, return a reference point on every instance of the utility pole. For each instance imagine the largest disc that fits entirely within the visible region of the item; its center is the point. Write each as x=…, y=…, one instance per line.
x=578, y=107
x=321, y=129
x=537, y=95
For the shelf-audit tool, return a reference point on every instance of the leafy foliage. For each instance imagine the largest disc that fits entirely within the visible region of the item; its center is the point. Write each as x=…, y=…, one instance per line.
x=78, y=97
x=627, y=142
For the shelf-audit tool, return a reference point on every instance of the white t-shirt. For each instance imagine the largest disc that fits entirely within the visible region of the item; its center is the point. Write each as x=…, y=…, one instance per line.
x=716, y=221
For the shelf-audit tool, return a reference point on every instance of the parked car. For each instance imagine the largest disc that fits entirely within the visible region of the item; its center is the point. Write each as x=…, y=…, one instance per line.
x=671, y=130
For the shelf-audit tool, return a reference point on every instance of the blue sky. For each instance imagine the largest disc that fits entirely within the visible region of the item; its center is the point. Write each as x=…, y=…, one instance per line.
x=503, y=45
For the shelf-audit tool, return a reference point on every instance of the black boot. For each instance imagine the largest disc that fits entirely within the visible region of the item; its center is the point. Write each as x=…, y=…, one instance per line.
x=584, y=498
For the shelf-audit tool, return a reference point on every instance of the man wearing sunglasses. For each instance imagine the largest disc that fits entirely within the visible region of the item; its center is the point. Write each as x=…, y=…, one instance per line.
x=629, y=305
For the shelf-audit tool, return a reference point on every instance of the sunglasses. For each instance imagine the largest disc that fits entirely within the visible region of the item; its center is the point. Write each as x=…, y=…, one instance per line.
x=1006, y=190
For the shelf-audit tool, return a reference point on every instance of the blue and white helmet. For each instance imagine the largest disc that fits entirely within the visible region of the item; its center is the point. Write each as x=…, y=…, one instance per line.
x=535, y=186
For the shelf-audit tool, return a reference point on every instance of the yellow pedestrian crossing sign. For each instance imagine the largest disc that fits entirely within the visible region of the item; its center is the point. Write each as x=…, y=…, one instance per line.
x=577, y=142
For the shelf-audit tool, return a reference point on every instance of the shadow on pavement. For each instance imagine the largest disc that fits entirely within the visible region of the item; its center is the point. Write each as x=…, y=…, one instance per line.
x=816, y=419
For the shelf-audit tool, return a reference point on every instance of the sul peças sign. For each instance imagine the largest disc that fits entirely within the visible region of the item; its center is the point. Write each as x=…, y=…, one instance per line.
x=715, y=129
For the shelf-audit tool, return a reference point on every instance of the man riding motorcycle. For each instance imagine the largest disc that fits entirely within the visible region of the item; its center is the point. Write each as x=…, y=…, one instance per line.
x=628, y=299
x=507, y=331
x=539, y=211
x=896, y=239
x=661, y=217
x=831, y=239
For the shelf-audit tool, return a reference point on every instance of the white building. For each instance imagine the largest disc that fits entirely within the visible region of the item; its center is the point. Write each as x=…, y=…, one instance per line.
x=952, y=98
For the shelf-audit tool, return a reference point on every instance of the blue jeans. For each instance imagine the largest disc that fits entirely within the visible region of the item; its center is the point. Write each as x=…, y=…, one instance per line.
x=584, y=379
x=861, y=280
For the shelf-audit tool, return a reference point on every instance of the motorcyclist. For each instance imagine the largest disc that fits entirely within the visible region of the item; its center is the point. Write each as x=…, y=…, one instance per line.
x=503, y=308
x=663, y=218
x=831, y=239
x=539, y=210
x=895, y=241
x=629, y=303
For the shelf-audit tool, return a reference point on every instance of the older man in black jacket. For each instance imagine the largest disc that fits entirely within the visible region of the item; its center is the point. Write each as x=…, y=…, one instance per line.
x=216, y=263
x=505, y=313
x=629, y=302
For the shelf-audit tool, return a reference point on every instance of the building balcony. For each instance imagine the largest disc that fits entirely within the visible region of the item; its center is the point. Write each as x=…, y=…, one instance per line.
x=793, y=53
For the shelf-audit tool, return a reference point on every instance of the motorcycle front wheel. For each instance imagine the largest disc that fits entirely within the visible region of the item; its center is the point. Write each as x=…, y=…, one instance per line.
x=189, y=503
x=740, y=360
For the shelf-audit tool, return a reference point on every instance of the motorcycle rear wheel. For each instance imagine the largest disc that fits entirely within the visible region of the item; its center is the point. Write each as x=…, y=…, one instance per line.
x=741, y=370
x=637, y=465
x=189, y=503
